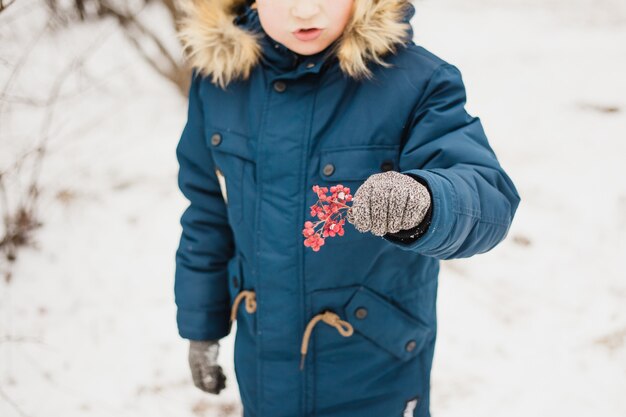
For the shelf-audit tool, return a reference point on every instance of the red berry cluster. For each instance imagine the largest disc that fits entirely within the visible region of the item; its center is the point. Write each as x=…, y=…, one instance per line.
x=328, y=210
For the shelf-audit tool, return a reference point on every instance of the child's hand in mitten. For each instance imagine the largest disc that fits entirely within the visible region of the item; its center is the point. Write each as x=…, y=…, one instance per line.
x=388, y=202
x=206, y=373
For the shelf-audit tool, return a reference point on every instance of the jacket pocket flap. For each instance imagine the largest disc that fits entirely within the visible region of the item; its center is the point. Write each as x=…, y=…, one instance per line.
x=357, y=163
x=229, y=142
x=386, y=325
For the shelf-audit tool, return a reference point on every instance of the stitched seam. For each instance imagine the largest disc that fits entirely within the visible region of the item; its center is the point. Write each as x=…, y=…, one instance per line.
x=419, y=103
x=352, y=148
x=487, y=220
x=227, y=130
x=302, y=297
x=203, y=310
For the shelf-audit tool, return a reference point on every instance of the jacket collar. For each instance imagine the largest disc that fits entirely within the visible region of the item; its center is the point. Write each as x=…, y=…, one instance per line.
x=225, y=39
x=278, y=56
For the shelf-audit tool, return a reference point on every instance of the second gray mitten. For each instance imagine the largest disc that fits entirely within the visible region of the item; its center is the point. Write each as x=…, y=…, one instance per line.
x=206, y=373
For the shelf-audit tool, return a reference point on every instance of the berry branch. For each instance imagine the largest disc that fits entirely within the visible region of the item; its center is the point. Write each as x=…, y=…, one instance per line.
x=330, y=210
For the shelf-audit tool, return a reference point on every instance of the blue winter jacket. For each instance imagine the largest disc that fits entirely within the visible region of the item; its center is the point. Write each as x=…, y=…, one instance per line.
x=249, y=155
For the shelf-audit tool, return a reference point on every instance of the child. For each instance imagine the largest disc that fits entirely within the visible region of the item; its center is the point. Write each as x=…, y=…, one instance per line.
x=347, y=330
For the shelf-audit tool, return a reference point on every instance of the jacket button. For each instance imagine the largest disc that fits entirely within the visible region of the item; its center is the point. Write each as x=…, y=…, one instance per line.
x=360, y=313
x=329, y=169
x=235, y=281
x=216, y=139
x=310, y=65
x=280, y=86
x=410, y=345
x=386, y=165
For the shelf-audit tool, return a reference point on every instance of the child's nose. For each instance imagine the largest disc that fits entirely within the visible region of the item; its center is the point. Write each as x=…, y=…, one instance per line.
x=305, y=9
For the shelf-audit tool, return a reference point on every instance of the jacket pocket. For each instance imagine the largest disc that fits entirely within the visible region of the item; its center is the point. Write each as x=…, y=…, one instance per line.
x=377, y=319
x=236, y=284
x=355, y=164
x=386, y=325
x=375, y=361
x=234, y=167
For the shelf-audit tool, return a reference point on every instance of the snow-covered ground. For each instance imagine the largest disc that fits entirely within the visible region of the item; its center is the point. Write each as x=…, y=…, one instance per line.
x=536, y=327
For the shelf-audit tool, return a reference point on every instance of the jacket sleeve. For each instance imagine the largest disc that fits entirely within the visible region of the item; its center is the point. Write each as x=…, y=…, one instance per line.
x=206, y=242
x=473, y=199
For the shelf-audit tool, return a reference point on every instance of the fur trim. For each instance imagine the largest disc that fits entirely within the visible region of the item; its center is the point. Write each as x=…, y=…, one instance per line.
x=218, y=47
x=375, y=29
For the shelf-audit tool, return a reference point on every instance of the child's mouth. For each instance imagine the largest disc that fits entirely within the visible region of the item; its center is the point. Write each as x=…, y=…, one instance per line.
x=307, y=34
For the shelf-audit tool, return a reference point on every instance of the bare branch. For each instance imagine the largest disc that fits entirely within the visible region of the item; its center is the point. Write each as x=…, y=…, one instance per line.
x=77, y=62
x=18, y=66
x=134, y=30
x=5, y=4
x=12, y=403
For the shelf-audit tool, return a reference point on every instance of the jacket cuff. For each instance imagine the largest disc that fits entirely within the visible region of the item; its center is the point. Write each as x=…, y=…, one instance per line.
x=203, y=325
x=414, y=233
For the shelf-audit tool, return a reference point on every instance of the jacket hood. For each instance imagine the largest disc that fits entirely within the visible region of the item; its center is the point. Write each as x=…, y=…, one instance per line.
x=225, y=40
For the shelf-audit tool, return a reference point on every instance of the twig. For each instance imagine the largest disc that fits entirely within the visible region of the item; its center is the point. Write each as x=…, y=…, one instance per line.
x=21, y=339
x=12, y=403
x=18, y=66
x=4, y=5
x=40, y=150
x=130, y=22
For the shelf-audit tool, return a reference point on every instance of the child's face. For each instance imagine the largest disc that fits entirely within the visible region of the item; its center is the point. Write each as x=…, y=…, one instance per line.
x=281, y=19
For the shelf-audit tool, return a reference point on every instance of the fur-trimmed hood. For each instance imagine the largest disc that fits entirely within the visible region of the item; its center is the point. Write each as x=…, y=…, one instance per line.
x=217, y=42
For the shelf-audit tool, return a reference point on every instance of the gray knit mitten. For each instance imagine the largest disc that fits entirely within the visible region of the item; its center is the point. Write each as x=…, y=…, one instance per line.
x=388, y=202
x=206, y=373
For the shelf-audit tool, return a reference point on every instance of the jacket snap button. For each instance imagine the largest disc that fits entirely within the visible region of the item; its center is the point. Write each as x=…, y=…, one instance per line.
x=329, y=169
x=216, y=139
x=410, y=345
x=386, y=165
x=280, y=86
x=360, y=313
x=310, y=65
x=235, y=281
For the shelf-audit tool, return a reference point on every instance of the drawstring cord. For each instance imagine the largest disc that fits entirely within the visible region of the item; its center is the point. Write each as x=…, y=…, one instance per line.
x=250, y=303
x=330, y=318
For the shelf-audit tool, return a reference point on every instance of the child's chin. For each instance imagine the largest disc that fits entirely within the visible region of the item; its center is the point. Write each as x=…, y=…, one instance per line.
x=306, y=48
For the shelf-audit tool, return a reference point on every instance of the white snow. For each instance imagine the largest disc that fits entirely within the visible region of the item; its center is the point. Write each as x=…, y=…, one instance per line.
x=536, y=327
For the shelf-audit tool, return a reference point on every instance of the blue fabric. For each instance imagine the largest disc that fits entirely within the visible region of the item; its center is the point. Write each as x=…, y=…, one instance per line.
x=272, y=147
